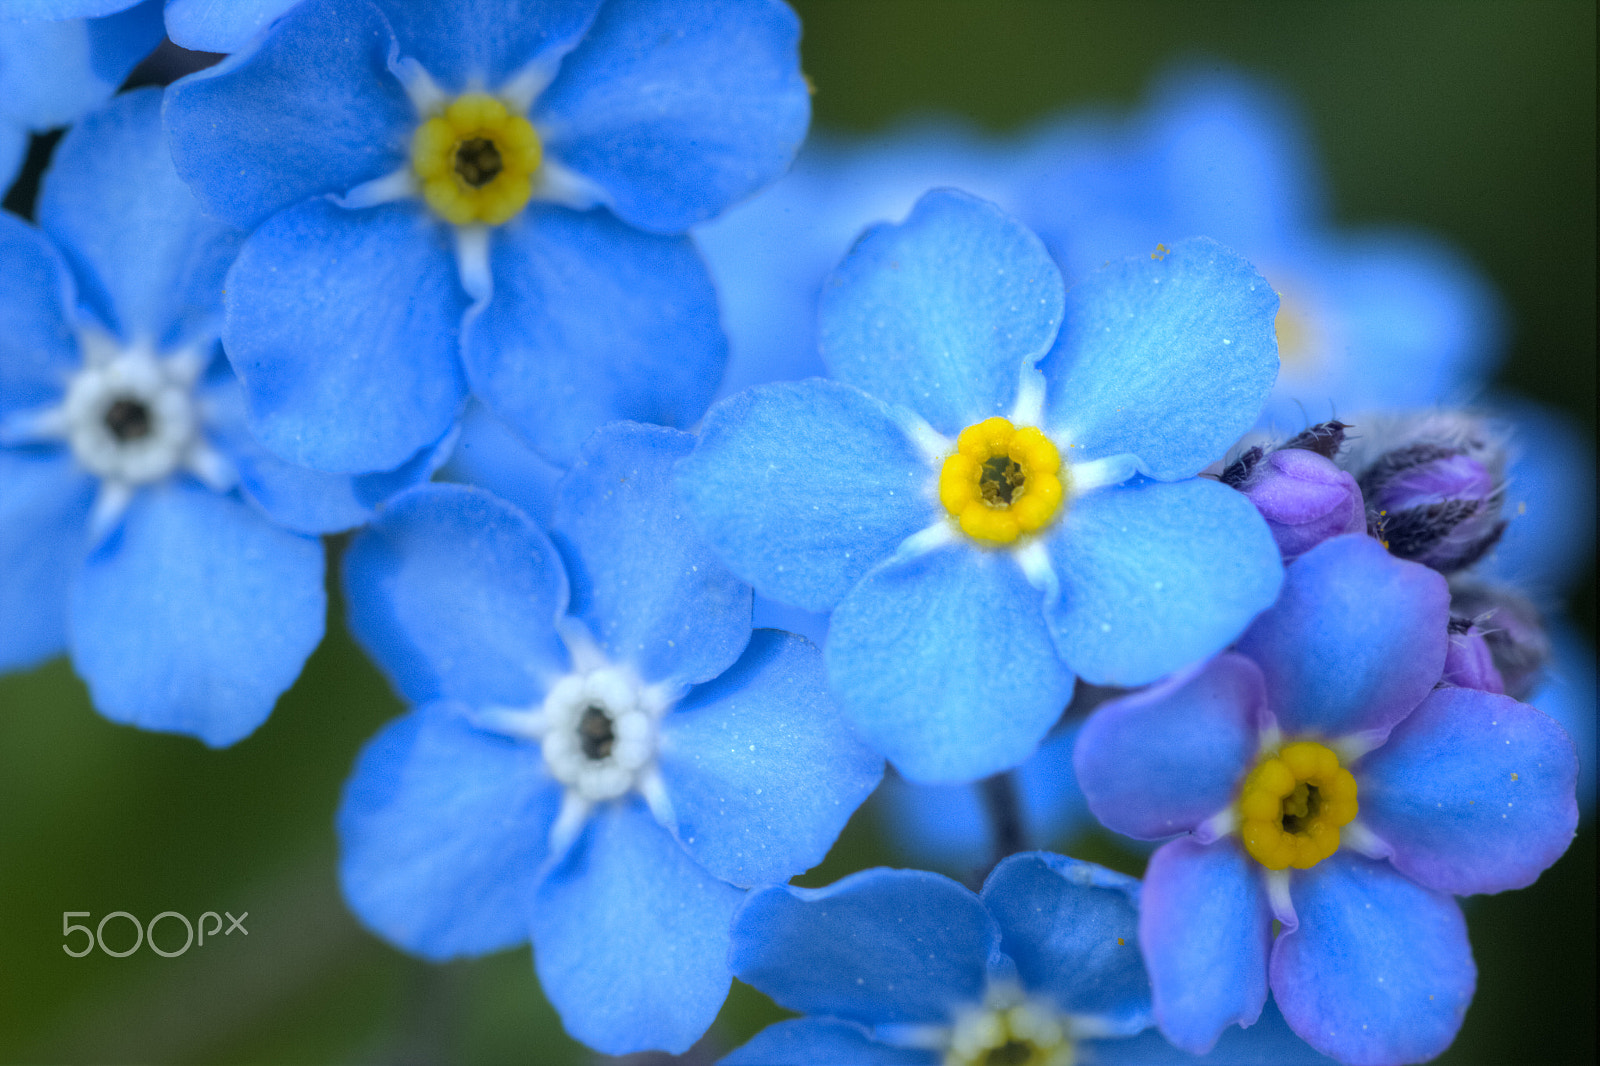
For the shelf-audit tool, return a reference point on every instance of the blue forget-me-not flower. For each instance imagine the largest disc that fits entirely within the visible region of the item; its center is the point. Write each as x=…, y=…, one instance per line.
x=983, y=529
x=53, y=72
x=603, y=755
x=487, y=195
x=1325, y=746
x=141, y=525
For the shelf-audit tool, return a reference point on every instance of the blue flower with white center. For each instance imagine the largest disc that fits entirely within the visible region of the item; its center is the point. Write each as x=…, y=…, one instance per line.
x=483, y=195
x=202, y=25
x=53, y=72
x=140, y=524
x=603, y=755
x=983, y=530
x=1376, y=317
x=1321, y=777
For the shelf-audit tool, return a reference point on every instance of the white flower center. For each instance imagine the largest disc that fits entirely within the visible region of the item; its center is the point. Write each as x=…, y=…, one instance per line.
x=599, y=733
x=1010, y=1030
x=131, y=418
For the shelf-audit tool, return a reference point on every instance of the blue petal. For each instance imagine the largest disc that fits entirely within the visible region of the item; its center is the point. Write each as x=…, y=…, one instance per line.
x=489, y=455
x=38, y=352
x=65, y=9
x=1379, y=969
x=761, y=770
x=13, y=150
x=1355, y=641
x=1568, y=696
x=593, y=321
x=879, y=946
x=1549, y=539
x=1204, y=928
x=52, y=72
x=630, y=937
x=1473, y=791
x=944, y=664
x=456, y=594
x=948, y=826
x=1269, y=1042
x=768, y=614
x=1072, y=929
x=648, y=588
x=196, y=614
x=802, y=487
x=677, y=109
x=442, y=831
x=312, y=110
x=473, y=43
x=1164, y=760
x=343, y=327
x=1169, y=359
x=207, y=26
x=44, y=512
x=942, y=313
x=297, y=497
x=147, y=260
x=1156, y=576
x=821, y=1041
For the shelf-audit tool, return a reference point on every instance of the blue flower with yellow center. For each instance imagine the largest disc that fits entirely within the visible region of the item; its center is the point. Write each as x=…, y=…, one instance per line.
x=485, y=196
x=1322, y=776
x=602, y=755
x=984, y=529
x=141, y=526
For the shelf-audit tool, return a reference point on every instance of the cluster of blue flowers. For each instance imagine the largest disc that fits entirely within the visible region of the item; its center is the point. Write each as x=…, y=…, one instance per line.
x=1054, y=532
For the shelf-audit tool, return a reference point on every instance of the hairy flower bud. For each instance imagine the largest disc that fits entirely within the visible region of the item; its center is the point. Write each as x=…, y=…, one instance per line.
x=1468, y=660
x=1303, y=496
x=1513, y=631
x=1433, y=486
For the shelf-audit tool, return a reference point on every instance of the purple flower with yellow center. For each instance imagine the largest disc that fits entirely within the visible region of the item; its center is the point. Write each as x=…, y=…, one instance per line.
x=1322, y=777
x=984, y=529
x=484, y=196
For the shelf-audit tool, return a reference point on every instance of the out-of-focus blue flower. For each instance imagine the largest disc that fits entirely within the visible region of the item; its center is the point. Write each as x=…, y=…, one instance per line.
x=1369, y=318
x=203, y=25
x=122, y=441
x=770, y=254
x=905, y=966
x=1304, y=497
x=952, y=827
x=602, y=755
x=51, y=73
x=1323, y=745
x=487, y=195
x=973, y=562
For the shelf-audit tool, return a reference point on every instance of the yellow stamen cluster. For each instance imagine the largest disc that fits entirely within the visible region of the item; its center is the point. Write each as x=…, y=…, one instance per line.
x=476, y=160
x=1001, y=481
x=1293, y=805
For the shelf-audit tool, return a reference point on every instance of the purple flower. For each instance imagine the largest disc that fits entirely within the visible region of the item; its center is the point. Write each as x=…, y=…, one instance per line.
x=1321, y=777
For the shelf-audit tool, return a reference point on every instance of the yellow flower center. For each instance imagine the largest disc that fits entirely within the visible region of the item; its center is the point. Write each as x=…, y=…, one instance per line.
x=1293, y=804
x=1001, y=481
x=476, y=161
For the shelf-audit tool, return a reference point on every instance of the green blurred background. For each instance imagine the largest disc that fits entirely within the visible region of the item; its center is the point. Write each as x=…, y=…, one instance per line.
x=1474, y=120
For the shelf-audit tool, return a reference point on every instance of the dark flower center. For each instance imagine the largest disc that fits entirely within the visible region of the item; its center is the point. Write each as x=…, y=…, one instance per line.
x=1300, y=806
x=128, y=420
x=1000, y=480
x=595, y=733
x=478, y=161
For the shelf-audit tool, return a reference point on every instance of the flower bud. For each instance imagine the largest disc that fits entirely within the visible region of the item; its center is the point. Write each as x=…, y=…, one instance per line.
x=1303, y=496
x=1433, y=485
x=1468, y=661
x=1512, y=628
